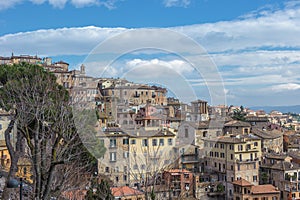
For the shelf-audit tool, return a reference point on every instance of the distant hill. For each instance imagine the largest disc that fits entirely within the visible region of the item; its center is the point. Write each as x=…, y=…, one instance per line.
x=283, y=109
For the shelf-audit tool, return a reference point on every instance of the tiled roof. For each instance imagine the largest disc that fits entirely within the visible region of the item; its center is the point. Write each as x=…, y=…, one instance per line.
x=242, y=182
x=264, y=189
x=236, y=123
x=283, y=166
x=178, y=171
x=125, y=191
x=266, y=134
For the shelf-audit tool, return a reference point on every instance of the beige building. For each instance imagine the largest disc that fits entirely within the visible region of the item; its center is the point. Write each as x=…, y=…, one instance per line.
x=233, y=158
x=236, y=127
x=272, y=140
x=115, y=162
x=150, y=153
x=286, y=176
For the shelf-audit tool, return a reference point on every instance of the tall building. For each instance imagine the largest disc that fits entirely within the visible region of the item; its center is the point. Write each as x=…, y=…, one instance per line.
x=233, y=158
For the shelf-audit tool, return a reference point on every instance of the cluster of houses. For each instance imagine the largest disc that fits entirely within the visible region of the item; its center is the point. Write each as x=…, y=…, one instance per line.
x=156, y=144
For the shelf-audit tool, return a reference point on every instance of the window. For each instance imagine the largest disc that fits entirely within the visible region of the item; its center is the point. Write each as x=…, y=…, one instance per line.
x=231, y=167
x=154, y=142
x=241, y=157
x=126, y=154
x=143, y=166
x=113, y=156
x=240, y=147
x=231, y=147
x=135, y=166
x=186, y=132
x=204, y=133
x=239, y=167
x=161, y=142
x=231, y=156
x=145, y=142
x=222, y=146
x=125, y=177
x=255, y=144
x=126, y=141
x=107, y=169
x=170, y=141
x=133, y=141
x=222, y=155
x=254, y=178
x=113, y=143
x=117, y=179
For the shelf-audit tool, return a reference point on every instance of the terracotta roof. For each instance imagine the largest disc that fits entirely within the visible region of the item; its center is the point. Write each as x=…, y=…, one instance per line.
x=178, y=171
x=125, y=191
x=264, y=189
x=242, y=182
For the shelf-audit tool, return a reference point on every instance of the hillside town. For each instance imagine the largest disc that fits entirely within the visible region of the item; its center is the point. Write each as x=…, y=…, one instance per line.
x=156, y=144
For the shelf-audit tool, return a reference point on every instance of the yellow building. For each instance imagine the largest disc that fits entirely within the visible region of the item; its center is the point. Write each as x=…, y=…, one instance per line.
x=233, y=158
x=5, y=157
x=25, y=170
x=150, y=153
x=115, y=162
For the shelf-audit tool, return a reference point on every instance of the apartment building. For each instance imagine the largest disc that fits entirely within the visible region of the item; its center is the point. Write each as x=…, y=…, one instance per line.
x=286, y=176
x=115, y=162
x=232, y=158
x=150, y=153
x=180, y=182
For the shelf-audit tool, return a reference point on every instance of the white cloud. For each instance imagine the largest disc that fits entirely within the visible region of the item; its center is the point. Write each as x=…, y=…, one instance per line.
x=285, y=87
x=58, y=3
x=176, y=3
x=5, y=4
x=154, y=65
x=110, y=4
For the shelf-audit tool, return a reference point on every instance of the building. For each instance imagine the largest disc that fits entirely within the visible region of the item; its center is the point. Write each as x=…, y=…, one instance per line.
x=126, y=193
x=236, y=127
x=115, y=162
x=180, y=182
x=271, y=140
x=199, y=111
x=188, y=157
x=244, y=190
x=150, y=153
x=284, y=175
x=4, y=154
x=232, y=158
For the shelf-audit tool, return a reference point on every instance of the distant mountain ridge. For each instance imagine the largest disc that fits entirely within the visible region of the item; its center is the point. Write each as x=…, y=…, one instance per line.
x=283, y=109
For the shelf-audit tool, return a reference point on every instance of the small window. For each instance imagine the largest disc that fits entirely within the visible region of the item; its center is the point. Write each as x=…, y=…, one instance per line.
x=145, y=142
x=133, y=141
x=154, y=142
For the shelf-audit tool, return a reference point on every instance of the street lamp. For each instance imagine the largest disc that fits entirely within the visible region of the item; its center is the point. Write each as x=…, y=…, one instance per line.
x=13, y=183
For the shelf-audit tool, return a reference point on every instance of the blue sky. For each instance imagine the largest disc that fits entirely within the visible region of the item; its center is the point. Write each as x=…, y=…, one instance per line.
x=255, y=44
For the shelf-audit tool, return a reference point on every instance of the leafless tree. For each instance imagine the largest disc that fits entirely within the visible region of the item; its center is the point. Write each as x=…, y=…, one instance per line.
x=41, y=111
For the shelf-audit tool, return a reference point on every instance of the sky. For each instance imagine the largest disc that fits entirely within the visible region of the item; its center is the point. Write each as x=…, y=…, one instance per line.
x=252, y=47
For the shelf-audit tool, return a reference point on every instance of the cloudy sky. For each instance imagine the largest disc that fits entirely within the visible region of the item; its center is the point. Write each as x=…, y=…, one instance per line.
x=254, y=45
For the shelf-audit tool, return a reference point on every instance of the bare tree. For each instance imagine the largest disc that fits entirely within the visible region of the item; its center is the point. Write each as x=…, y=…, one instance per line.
x=43, y=116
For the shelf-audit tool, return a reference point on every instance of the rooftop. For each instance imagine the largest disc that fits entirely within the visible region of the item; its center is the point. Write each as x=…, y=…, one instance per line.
x=125, y=191
x=264, y=189
x=242, y=182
